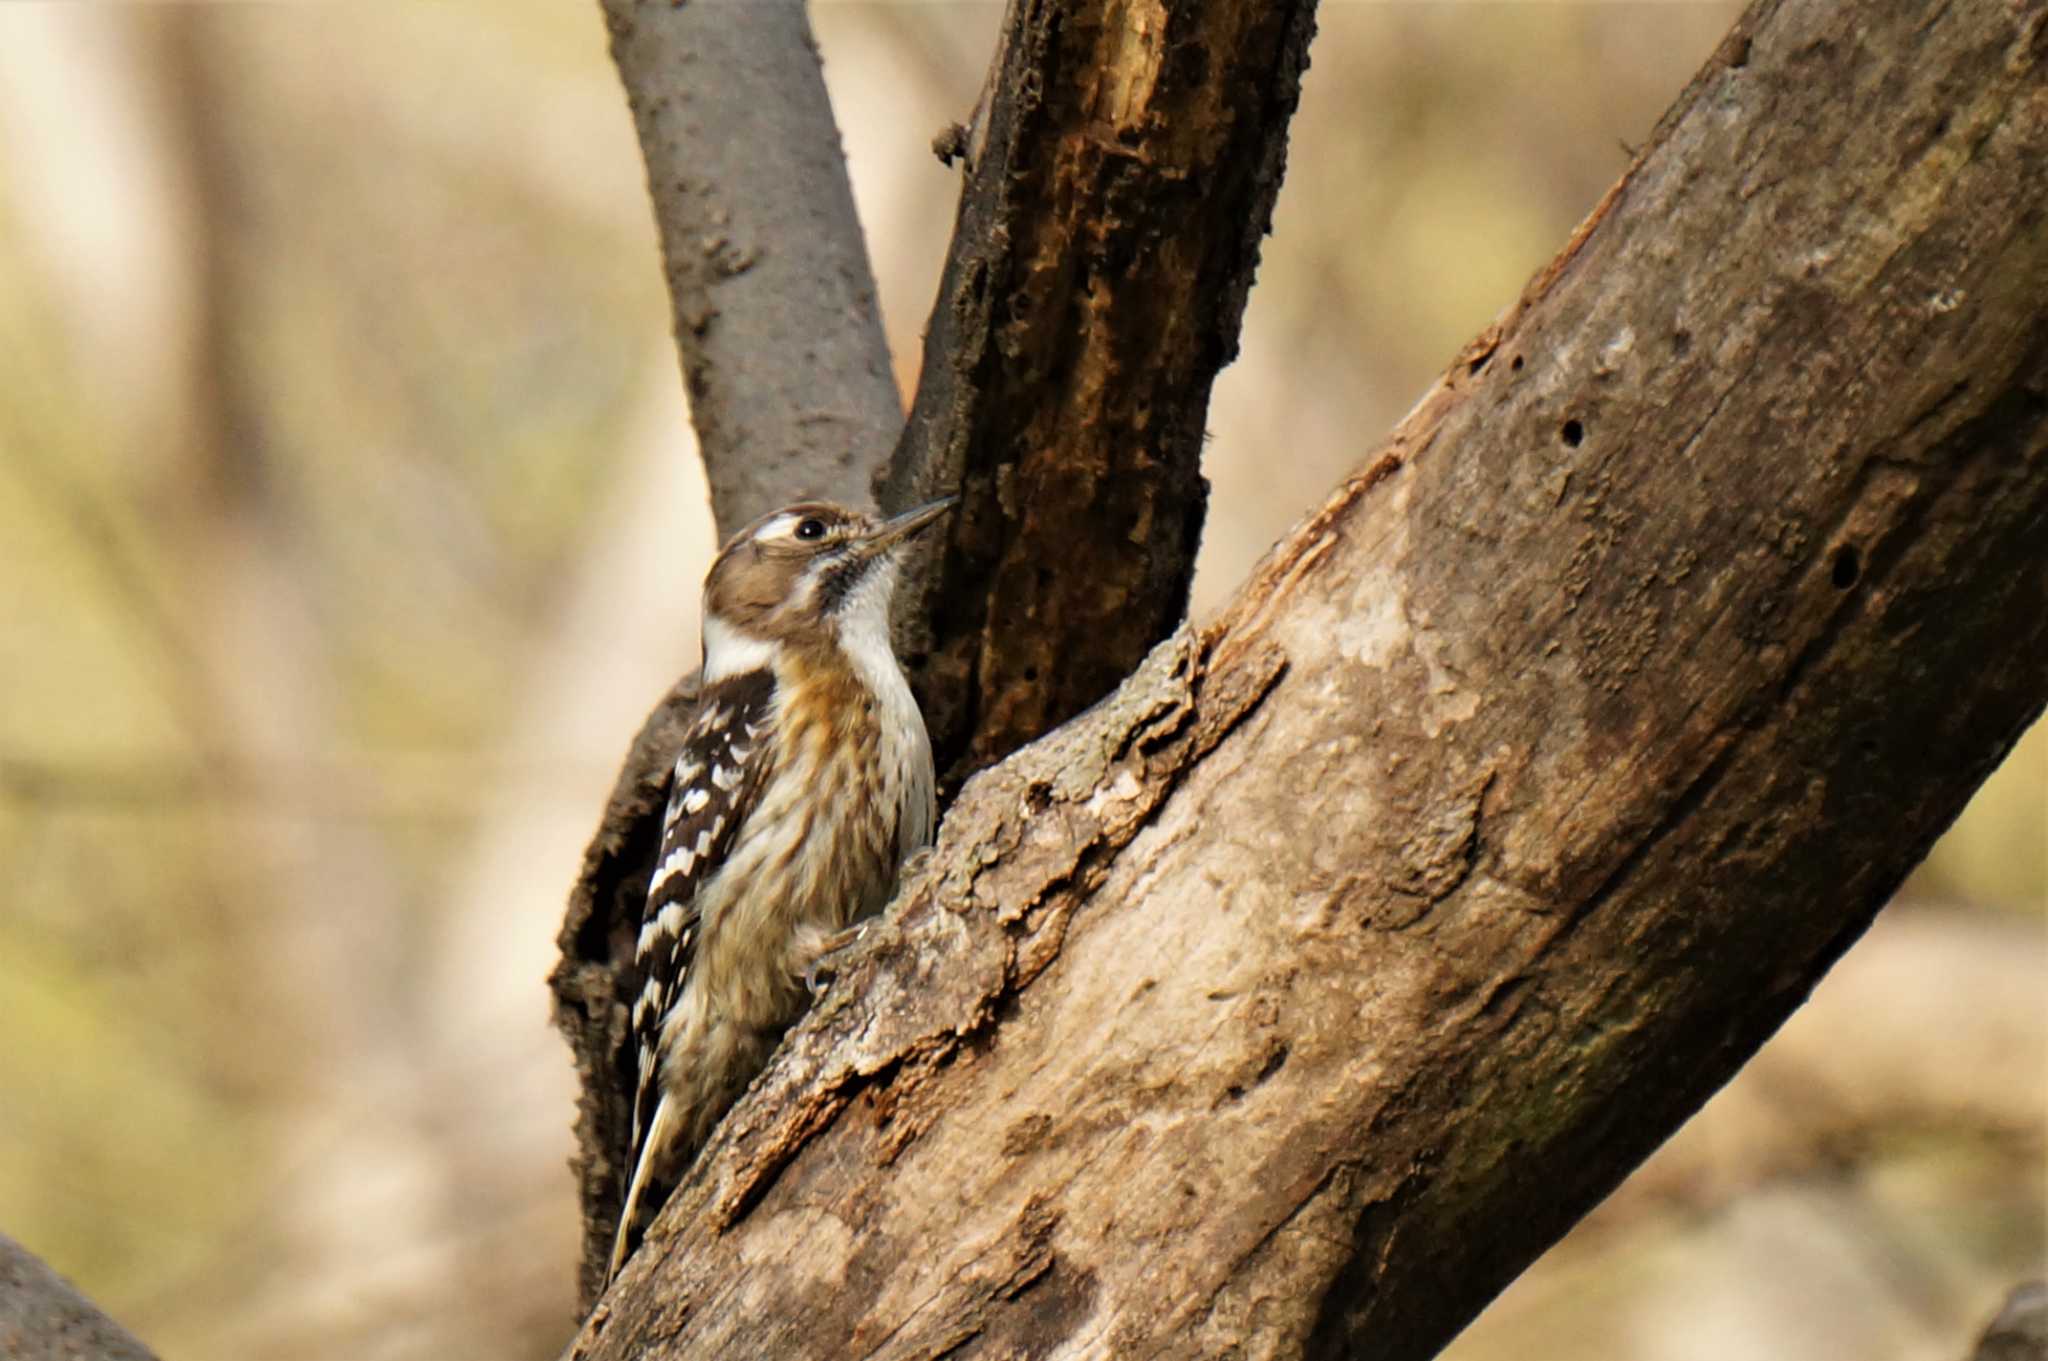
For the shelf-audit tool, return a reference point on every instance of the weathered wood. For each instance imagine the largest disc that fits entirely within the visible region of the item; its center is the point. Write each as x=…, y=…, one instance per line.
x=1120, y=177
x=1292, y=1001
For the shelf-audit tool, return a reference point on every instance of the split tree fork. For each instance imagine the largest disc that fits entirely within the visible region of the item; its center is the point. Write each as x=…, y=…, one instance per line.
x=1295, y=998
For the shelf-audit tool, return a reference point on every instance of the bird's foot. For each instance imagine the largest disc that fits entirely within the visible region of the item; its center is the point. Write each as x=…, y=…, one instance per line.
x=818, y=975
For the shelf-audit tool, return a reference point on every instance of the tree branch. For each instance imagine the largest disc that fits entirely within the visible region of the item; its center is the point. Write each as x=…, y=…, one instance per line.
x=781, y=338
x=1121, y=175
x=43, y=1319
x=1293, y=1000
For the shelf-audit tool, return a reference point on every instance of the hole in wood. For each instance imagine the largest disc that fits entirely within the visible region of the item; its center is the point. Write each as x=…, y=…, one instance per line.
x=1847, y=568
x=1572, y=433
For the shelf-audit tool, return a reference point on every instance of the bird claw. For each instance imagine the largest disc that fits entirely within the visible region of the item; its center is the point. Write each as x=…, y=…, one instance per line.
x=821, y=972
x=817, y=978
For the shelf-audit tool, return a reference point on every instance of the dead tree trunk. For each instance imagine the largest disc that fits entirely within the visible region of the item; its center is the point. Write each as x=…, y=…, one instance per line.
x=1294, y=999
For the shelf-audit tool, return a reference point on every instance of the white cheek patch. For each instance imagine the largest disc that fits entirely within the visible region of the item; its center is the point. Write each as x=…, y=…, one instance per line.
x=732, y=652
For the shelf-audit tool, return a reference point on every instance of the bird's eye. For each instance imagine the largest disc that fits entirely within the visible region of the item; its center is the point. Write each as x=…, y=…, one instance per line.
x=810, y=529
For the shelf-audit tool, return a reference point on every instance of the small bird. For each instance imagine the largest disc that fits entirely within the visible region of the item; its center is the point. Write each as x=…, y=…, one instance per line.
x=803, y=784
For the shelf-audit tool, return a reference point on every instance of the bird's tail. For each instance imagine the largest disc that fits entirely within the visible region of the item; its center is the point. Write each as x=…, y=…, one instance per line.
x=639, y=1206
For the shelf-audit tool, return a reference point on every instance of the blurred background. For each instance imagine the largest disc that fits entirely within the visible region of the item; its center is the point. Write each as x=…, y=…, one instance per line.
x=350, y=523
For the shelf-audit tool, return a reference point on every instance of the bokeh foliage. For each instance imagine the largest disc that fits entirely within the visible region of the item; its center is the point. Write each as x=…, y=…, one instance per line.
x=346, y=534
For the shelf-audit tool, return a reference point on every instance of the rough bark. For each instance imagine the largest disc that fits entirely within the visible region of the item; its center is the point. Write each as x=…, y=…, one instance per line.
x=782, y=347
x=1291, y=1001
x=43, y=1319
x=1121, y=173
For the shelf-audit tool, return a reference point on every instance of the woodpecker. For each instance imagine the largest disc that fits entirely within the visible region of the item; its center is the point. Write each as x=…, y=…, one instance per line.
x=803, y=783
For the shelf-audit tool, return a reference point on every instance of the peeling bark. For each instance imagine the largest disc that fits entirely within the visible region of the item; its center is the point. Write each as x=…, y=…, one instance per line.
x=1294, y=999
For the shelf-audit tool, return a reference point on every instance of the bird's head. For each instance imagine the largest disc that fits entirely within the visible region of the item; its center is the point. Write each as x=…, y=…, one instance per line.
x=804, y=573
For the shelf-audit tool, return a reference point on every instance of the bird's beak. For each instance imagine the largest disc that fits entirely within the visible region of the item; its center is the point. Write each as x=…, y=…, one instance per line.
x=892, y=532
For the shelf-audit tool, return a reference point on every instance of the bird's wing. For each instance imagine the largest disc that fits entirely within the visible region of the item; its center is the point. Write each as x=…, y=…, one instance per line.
x=718, y=772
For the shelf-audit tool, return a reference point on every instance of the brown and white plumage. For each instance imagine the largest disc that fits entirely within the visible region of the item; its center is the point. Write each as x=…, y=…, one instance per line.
x=803, y=783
